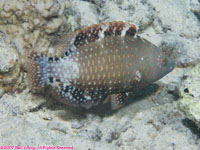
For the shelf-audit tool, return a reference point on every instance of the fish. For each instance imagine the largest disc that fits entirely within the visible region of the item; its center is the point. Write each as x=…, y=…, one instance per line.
x=103, y=62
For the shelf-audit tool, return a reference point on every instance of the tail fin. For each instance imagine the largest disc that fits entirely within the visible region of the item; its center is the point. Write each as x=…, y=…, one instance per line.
x=37, y=67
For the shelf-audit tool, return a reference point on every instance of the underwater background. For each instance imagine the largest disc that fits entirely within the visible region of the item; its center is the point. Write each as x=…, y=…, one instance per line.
x=163, y=116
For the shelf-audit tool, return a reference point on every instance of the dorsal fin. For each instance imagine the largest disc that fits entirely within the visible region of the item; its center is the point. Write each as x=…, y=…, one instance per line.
x=101, y=30
x=73, y=40
x=63, y=44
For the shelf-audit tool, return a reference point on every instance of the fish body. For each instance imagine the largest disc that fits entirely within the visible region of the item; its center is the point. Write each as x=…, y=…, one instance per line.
x=105, y=61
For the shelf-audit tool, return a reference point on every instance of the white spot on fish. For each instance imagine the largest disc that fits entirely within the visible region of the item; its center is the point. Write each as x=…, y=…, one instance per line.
x=88, y=98
x=126, y=27
x=138, y=76
x=104, y=27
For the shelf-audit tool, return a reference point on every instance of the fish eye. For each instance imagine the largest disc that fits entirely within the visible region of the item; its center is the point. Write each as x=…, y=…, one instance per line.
x=164, y=62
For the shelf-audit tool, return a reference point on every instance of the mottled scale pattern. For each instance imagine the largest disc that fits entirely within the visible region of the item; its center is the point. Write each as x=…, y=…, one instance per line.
x=105, y=61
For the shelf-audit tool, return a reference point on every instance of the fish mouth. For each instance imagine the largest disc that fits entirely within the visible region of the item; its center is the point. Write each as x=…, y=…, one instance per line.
x=171, y=68
x=171, y=65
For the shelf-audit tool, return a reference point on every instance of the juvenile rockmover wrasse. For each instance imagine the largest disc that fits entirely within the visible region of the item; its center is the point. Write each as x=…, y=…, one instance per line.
x=102, y=61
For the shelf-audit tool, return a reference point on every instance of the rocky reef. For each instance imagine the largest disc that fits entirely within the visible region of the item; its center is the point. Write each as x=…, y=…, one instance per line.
x=10, y=74
x=150, y=120
x=190, y=94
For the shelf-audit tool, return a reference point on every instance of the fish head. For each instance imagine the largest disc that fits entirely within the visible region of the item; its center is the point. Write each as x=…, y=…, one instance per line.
x=161, y=66
x=167, y=64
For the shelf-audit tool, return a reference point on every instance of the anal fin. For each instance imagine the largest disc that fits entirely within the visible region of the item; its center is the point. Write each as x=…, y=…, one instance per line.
x=76, y=97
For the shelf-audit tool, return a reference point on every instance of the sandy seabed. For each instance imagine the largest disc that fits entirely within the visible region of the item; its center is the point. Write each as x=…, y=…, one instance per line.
x=150, y=120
